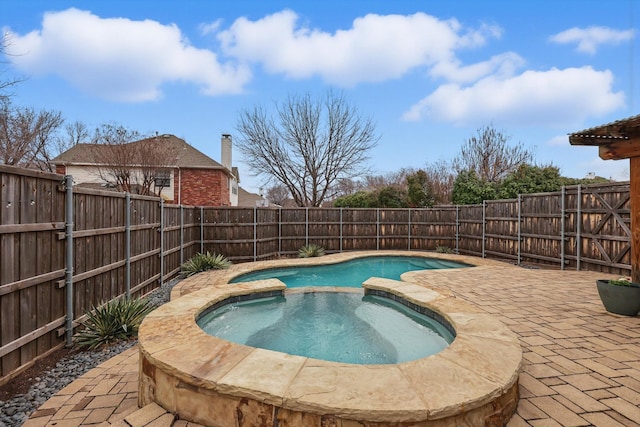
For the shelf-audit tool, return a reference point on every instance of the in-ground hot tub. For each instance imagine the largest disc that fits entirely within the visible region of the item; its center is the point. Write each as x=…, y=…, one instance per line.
x=334, y=326
x=214, y=382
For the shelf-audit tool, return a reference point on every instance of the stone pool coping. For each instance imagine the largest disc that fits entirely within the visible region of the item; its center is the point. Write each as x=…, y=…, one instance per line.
x=209, y=380
x=223, y=277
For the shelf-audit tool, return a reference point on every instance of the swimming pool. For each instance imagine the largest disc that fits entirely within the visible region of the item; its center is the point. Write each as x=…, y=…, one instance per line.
x=333, y=326
x=350, y=273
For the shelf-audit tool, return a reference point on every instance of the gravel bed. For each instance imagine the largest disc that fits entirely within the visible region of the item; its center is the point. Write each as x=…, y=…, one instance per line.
x=15, y=411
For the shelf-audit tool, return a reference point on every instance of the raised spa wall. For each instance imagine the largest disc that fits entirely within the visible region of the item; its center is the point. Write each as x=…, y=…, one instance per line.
x=204, y=379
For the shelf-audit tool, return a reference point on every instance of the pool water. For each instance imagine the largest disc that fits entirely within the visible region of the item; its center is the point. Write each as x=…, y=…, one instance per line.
x=349, y=273
x=335, y=326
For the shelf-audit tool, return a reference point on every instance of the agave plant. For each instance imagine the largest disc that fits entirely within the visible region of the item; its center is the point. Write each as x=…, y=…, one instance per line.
x=115, y=320
x=203, y=262
x=311, y=250
x=444, y=249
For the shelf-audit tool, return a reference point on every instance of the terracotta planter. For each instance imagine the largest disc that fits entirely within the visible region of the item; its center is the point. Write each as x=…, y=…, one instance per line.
x=618, y=299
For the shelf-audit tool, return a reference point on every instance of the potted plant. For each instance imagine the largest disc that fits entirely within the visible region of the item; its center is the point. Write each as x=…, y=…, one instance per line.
x=620, y=296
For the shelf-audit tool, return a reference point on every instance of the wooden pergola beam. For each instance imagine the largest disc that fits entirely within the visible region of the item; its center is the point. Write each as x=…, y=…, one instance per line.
x=619, y=150
x=616, y=141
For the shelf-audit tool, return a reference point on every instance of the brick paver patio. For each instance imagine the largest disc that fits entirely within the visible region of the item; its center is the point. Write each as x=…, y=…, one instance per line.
x=581, y=364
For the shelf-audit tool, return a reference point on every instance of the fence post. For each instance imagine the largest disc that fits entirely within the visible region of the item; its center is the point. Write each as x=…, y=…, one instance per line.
x=68, y=213
x=378, y=229
x=409, y=232
x=161, y=241
x=201, y=229
x=562, y=230
x=181, y=235
x=255, y=233
x=579, y=228
x=127, y=244
x=341, y=230
x=457, y=229
x=306, y=226
x=519, y=229
x=484, y=224
x=279, y=231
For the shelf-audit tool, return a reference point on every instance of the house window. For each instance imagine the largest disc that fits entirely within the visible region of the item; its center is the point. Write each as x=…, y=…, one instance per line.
x=233, y=185
x=162, y=179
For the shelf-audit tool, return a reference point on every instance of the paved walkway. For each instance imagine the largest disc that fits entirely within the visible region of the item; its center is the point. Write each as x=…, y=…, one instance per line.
x=581, y=364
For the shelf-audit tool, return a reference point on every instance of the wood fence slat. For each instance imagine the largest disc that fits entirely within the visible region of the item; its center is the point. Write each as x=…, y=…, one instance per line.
x=9, y=304
x=26, y=260
x=45, y=248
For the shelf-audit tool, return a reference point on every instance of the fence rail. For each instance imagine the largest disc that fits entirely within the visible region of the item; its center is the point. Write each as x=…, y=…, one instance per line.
x=64, y=250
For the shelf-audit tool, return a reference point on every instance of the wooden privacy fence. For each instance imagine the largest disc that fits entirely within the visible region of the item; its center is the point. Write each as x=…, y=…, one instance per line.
x=251, y=234
x=580, y=227
x=64, y=249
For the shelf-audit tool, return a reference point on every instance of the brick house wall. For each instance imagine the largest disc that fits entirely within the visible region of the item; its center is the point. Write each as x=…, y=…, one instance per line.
x=202, y=187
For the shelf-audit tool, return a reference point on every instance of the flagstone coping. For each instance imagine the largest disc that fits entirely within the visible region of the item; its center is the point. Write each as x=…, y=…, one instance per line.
x=211, y=381
x=221, y=277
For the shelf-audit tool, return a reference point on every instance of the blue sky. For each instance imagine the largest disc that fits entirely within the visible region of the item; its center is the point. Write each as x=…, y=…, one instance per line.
x=429, y=73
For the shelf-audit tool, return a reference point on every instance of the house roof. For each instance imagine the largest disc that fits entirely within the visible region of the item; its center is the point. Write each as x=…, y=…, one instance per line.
x=616, y=140
x=251, y=200
x=186, y=156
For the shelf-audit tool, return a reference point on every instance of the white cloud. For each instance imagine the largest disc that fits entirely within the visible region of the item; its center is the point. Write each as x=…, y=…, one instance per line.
x=553, y=98
x=374, y=49
x=591, y=38
x=120, y=59
x=211, y=27
x=499, y=65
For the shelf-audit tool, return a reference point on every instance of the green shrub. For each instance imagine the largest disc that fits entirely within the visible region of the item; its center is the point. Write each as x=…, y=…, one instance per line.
x=309, y=251
x=203, y=262
x=444, y=249
x=360, y=199
x=622, y=281
x=116, y=320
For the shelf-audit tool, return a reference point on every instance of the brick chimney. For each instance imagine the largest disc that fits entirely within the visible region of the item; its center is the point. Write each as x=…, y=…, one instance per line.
x=226, y=150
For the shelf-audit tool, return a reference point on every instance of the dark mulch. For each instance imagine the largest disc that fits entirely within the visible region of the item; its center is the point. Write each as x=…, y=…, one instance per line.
x=21, y=383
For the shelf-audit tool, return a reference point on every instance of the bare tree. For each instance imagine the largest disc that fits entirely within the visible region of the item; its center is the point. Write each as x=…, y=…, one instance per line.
x=129, y=163
x=74, y=133
x=347, y=186
x=277, y=194
x=114, y=155
x=27, y=136
x=391, y=179
x=6, y=84
x=373, y=183
x=309, y=146
x=155, y=160
x=490, y=156
x=442, y=177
